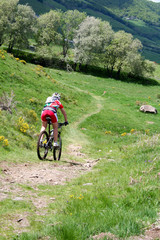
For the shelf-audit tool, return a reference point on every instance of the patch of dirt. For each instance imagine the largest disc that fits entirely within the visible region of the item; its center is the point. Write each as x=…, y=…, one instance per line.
x=108, y=236
x=74, y=150
x=12, y=176
x=41, y=173
x=152, y=234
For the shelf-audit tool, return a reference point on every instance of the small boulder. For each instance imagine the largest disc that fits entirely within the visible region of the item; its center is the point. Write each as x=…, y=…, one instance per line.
x=148, y=108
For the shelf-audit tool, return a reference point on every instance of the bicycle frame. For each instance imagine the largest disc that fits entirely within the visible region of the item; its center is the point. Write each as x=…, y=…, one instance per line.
x=42, y=148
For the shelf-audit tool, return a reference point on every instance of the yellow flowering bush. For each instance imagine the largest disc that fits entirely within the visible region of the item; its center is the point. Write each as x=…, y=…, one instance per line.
x=123, y=134
x=74, y=197
x=4, y=141
x=23, y=61
x=108, y=132
x=132, y=130
x=17, y=59
x=23, y=127
x=1, y=138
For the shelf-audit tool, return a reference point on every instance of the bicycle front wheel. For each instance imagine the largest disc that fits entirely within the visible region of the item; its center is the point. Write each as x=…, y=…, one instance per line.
x=58, y=150
x=42, y=147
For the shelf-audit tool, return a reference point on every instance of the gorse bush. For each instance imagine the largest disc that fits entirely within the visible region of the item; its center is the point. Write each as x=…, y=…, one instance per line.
x=22, y=125
x=4, y=141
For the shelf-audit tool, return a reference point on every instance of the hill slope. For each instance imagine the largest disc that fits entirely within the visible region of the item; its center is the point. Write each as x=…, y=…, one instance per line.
x=106, y=127
x=141, y=18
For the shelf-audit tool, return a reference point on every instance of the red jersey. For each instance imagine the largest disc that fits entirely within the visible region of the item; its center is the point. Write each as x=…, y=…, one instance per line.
x=53, y=106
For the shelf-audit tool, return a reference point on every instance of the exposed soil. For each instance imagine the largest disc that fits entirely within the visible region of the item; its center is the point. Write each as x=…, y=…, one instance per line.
x=14, y=176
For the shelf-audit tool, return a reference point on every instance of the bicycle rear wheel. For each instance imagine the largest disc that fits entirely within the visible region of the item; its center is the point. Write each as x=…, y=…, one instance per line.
x=58, y=150
x=42, y=148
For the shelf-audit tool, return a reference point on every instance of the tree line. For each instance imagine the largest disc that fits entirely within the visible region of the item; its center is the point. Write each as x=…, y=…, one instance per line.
x=93, y=41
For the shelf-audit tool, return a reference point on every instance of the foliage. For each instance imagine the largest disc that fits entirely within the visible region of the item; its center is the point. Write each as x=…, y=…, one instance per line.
x=69, y=24
x=122, y=50
x=20, y=26
x=47, y=28
x=91, y=39
x=7, y=11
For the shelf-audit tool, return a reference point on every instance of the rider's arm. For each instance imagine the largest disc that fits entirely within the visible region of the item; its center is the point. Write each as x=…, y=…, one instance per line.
x=64, y=114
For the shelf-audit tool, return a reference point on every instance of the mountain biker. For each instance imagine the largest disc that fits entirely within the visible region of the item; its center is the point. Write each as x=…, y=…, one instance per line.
x=50, y=110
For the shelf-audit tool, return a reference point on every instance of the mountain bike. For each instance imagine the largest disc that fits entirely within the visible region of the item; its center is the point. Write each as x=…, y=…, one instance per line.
x=46, y=140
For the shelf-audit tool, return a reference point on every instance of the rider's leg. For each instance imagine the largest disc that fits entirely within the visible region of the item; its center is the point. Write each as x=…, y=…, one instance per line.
x=55, y=127
x=44, y=126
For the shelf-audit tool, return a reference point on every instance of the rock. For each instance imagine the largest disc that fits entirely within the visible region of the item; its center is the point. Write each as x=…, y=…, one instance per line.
x=87, y=184
x=148, y=108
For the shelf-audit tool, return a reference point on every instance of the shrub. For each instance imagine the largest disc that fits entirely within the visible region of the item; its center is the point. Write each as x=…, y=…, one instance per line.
x=23, y=61
x=22, y=126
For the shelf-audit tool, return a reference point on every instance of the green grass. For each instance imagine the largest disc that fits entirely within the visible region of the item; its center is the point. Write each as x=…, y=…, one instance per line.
x=121, y=194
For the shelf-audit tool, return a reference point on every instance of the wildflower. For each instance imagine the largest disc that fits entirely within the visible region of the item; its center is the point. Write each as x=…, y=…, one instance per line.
x=5, y=143
x=132, y=131
x=3, y=57
x=17, y=59
x=23, y=61
x=108, y=132
x=123, y=134
x=1, y=138
x=23, y=127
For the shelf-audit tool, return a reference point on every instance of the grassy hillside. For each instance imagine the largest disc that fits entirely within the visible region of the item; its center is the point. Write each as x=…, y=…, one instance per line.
x=140, y=18
x=121, y=193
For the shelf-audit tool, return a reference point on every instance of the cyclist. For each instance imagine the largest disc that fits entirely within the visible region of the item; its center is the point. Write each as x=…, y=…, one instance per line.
x=50, y=110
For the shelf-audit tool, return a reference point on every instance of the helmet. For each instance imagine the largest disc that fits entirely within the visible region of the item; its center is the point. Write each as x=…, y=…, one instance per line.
x=56, y=96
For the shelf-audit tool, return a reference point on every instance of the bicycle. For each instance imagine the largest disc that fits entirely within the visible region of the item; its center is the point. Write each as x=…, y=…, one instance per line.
x=45, y=142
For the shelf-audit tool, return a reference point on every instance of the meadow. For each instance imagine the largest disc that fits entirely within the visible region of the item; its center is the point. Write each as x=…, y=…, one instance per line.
x=120, y=195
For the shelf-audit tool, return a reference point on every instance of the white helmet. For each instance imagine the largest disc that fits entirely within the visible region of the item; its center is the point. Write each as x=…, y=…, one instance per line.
x=56, y=96
x=48, y=100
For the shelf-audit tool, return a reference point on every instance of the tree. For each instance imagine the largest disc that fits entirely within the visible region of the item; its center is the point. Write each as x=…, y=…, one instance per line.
x=69, y=24
x=117, y=53
x=91, y=40
x=48, y=25
x=20, y=27
x=7, y=11
x=138, y=67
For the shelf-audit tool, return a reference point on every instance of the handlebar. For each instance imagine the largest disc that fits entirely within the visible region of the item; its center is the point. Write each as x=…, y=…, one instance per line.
x=61, y=124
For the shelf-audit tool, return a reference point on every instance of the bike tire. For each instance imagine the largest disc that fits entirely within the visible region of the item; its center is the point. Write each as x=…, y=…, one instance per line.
x=58, y=150
x=42, y=150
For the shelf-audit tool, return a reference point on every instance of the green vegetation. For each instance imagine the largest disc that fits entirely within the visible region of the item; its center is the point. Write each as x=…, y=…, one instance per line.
x=84, y=40
x=122, y=15
x=121, y=193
